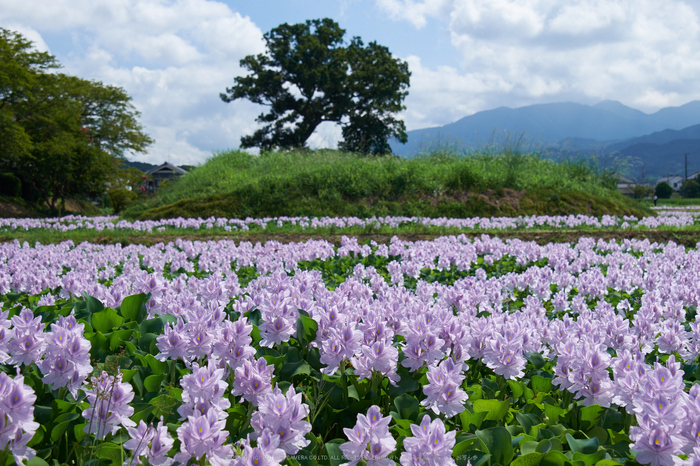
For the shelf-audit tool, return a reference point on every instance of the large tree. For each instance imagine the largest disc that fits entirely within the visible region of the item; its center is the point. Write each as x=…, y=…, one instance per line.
x=61, y=135
x=309, y=76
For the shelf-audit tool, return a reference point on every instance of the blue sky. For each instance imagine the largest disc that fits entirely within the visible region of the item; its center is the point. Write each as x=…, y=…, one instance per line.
x=174, y=57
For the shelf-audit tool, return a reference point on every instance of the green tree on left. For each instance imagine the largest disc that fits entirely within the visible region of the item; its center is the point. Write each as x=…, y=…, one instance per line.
x=63, y=136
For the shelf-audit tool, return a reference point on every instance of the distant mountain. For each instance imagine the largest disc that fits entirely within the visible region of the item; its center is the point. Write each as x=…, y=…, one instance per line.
x=570, y=125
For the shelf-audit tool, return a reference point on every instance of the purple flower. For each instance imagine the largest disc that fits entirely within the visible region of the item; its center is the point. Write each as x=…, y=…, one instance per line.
x=109, y=405
x=369, y=440
x=656, y=447
x=284, y=416
x=443, y=393
x=430, y=445
x=202, y=436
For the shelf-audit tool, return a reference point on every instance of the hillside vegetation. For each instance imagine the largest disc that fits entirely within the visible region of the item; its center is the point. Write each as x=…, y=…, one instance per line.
x=333, y=183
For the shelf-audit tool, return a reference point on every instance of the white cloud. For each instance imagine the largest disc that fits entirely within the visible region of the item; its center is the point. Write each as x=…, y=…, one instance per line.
x=172, y=57
x=644, y=53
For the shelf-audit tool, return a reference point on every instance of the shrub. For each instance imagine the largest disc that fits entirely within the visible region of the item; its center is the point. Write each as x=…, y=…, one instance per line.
x=10, y=185
x=663, y=190
x=121, y=198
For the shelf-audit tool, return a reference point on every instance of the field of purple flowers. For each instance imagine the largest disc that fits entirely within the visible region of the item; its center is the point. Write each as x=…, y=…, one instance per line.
x=445, y=352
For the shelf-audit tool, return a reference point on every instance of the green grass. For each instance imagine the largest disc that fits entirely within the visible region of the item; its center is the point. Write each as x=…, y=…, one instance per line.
x=326, y=182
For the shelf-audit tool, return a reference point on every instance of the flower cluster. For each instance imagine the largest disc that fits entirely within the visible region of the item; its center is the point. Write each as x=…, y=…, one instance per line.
x=430, y=445
x=17, y=424
x=369, y=440
x=282, y=416
x=444, y=393
x=66, y=360
x=109, y=409
x=152, y=442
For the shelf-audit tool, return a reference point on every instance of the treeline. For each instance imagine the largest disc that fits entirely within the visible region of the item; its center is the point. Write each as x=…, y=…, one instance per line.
x=61, y=136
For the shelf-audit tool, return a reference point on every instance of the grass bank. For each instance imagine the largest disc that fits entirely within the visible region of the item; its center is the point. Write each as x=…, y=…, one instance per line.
x=333, y=183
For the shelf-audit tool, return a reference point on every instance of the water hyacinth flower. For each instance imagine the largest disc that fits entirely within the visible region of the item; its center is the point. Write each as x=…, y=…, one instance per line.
x=203, y=436
x=17, y=424
x=283, y=416
x=152, y=442
x=369, y=440
x=430, y=444
x=109, y=409
x=444, y=394
x=253, y=380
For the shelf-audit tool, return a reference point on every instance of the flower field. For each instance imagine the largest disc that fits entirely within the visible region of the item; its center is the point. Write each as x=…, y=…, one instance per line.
x=452, y=351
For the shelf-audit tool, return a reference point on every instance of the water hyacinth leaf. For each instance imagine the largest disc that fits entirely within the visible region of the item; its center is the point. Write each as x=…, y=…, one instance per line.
x=152, y=382
x=475, y=458
x=585, y=446
x=589, y=417
x=527, y=420
x=553, y=413
x=93, y=304
x=589, y=459
x=306, y=330
x=463, y=446
x=106, y=320
x=335, y=455
x=495, y=410
x=537, y=360
x=555, y=458
x=530, y=459
x=407, y=407
x=599, y=433
x=528, y=447
x=540, y=384
x=134, y=307
x=607, y=463
x=496, y=440
x=37, y=461
x=61, y=424
x=517, y=388
x=154, y=326
x=111, y=451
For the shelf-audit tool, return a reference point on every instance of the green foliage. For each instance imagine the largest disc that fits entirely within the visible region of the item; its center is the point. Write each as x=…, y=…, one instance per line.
x=60, y=135
x=121, y=198
x=358, y=86
x=318, y=183
x=663, y=190
x=10, y=185
x=640, y=191
x=690, y=189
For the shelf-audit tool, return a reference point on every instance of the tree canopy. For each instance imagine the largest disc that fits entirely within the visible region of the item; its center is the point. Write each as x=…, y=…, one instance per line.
x=309, y=76
x=60, y=135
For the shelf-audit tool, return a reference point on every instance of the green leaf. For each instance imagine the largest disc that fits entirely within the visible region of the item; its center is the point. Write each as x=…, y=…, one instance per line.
x=540, y=384
x=335, y=455
x=111, y=451
x=152, y=326
x=36, y=461
x=553, y=413
x=107, y=320
x=134, y=307
x=589, y=417
x=531, y=459
x=589, y=459
x=62, y=423
x=537, y=360
x=607, y=463
x=407, y=407
x=495, y=409
x=152, y=382
x=585, y=446
x=555, y=458
x=306, y=330
x=93, y=304
x=497, y=442
x=517, y=388
x=527, y=420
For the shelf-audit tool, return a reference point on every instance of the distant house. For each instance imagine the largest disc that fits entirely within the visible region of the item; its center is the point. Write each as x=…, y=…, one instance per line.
x=161, y=173
x=674, y=180
x=625, y=185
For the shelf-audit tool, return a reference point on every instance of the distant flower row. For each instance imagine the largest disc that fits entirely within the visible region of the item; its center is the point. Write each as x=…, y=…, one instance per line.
x=111, y=223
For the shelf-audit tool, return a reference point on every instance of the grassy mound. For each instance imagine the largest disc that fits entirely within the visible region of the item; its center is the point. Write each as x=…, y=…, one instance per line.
x=320, y=183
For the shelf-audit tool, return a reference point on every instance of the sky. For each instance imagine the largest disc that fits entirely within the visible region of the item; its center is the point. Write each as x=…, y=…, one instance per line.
x=174, y=57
